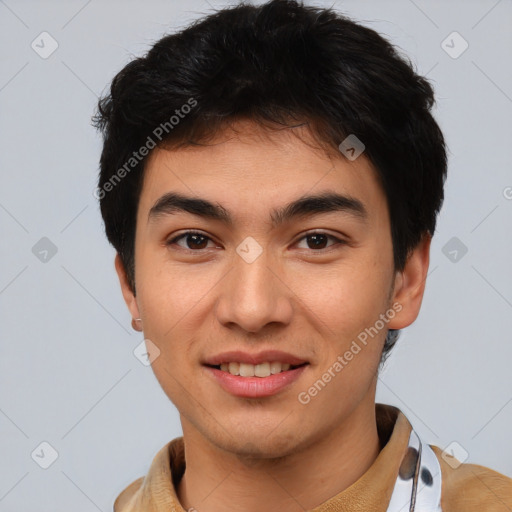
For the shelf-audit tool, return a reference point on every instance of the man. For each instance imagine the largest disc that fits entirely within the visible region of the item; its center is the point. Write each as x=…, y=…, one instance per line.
x=270, y=179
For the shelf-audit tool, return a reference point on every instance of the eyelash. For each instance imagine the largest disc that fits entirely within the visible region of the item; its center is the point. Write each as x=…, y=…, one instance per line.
x=312, y=233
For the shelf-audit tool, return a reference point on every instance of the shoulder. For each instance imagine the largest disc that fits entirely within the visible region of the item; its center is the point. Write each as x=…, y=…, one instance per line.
x=122, y=502
x=470, y=487
x=156, y=489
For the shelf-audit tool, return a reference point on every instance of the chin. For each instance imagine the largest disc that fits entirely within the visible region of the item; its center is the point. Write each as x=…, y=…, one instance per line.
x=260, y=445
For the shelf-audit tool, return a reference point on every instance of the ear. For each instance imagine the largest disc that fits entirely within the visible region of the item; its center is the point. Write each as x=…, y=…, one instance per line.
x=410, y=285
x=128, y=295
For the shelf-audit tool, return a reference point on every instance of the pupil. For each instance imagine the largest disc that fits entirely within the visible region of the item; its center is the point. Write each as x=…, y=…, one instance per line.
x=197, y=241
x=314, y=241
x=318, y=241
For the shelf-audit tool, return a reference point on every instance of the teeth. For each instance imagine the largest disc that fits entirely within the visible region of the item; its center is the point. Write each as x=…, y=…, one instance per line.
x=258, y=370
x=234, y=368
x=246, y=370
x=262, y=370
x=275, y=368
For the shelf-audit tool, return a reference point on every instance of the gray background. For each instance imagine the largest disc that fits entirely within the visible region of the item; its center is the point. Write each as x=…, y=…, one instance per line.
x=68, y=373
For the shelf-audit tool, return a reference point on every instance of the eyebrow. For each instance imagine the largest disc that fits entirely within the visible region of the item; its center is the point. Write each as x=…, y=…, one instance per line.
x=325, y=202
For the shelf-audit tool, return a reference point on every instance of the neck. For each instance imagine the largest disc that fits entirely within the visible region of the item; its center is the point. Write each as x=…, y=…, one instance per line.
x=216, y=480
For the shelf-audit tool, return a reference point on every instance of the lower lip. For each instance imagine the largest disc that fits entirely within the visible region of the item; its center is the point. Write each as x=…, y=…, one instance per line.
x=255, y=387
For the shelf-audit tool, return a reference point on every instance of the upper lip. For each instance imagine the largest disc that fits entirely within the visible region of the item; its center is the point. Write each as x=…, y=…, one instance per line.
x=237, y=356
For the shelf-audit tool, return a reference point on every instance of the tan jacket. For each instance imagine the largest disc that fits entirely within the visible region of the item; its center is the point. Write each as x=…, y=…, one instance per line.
x=465, y=487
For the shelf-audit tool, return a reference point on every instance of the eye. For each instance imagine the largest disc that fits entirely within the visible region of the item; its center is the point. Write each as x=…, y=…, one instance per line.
x=196, y=241
x=318, y=241
x=193, y=240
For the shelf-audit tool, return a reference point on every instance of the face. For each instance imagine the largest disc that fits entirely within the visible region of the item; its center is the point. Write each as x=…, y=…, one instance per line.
x=286, y=288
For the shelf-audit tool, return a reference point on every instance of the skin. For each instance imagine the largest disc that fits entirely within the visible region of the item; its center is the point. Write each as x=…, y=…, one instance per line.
x=294, y=297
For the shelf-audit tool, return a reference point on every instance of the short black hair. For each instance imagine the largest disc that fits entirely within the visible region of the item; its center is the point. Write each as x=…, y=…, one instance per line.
x=278, y=64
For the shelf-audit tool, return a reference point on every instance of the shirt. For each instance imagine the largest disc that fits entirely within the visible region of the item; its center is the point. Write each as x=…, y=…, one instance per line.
x=462, y=487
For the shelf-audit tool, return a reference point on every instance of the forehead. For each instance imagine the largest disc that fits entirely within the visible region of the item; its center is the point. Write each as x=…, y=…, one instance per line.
x=252, y=169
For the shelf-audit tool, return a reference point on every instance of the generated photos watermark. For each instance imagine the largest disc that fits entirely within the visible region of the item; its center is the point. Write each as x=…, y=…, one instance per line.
x=159, y=134
x=342, y=361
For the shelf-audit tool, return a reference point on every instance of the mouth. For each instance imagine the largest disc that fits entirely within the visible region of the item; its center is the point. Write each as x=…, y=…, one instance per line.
x=255, y=375
x=260, y=380
x=261, y=370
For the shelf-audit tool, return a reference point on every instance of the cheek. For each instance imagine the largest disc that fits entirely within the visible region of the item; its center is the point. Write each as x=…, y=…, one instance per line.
x=176, y=301
x=170, y=291
x=169, y=313
x=346, y=299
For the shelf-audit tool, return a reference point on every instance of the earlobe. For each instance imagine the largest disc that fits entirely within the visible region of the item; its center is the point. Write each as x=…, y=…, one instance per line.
x=410, y=285
x=127, y=292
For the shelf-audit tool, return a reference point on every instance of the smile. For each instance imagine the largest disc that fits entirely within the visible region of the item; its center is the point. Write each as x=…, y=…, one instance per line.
x=251, y=386
x=256, y=370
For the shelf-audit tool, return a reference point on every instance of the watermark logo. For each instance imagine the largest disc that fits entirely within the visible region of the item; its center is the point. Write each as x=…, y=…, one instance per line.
x=44, y=45
x=44, y=455
x=146, y=352
x=249, y=249
x=454, y=45
x=352, y=147
x=455, y=454
x=454, y=250
x=44, y=250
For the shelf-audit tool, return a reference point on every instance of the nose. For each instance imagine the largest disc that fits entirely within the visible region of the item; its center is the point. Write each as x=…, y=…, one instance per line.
x=254, y=295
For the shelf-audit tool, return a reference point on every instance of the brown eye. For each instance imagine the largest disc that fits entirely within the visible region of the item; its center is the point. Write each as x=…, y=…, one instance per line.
x=193, y=240
x=318, y=241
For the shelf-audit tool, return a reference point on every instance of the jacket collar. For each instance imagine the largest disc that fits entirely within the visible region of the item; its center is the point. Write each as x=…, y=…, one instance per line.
x=156, y=492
